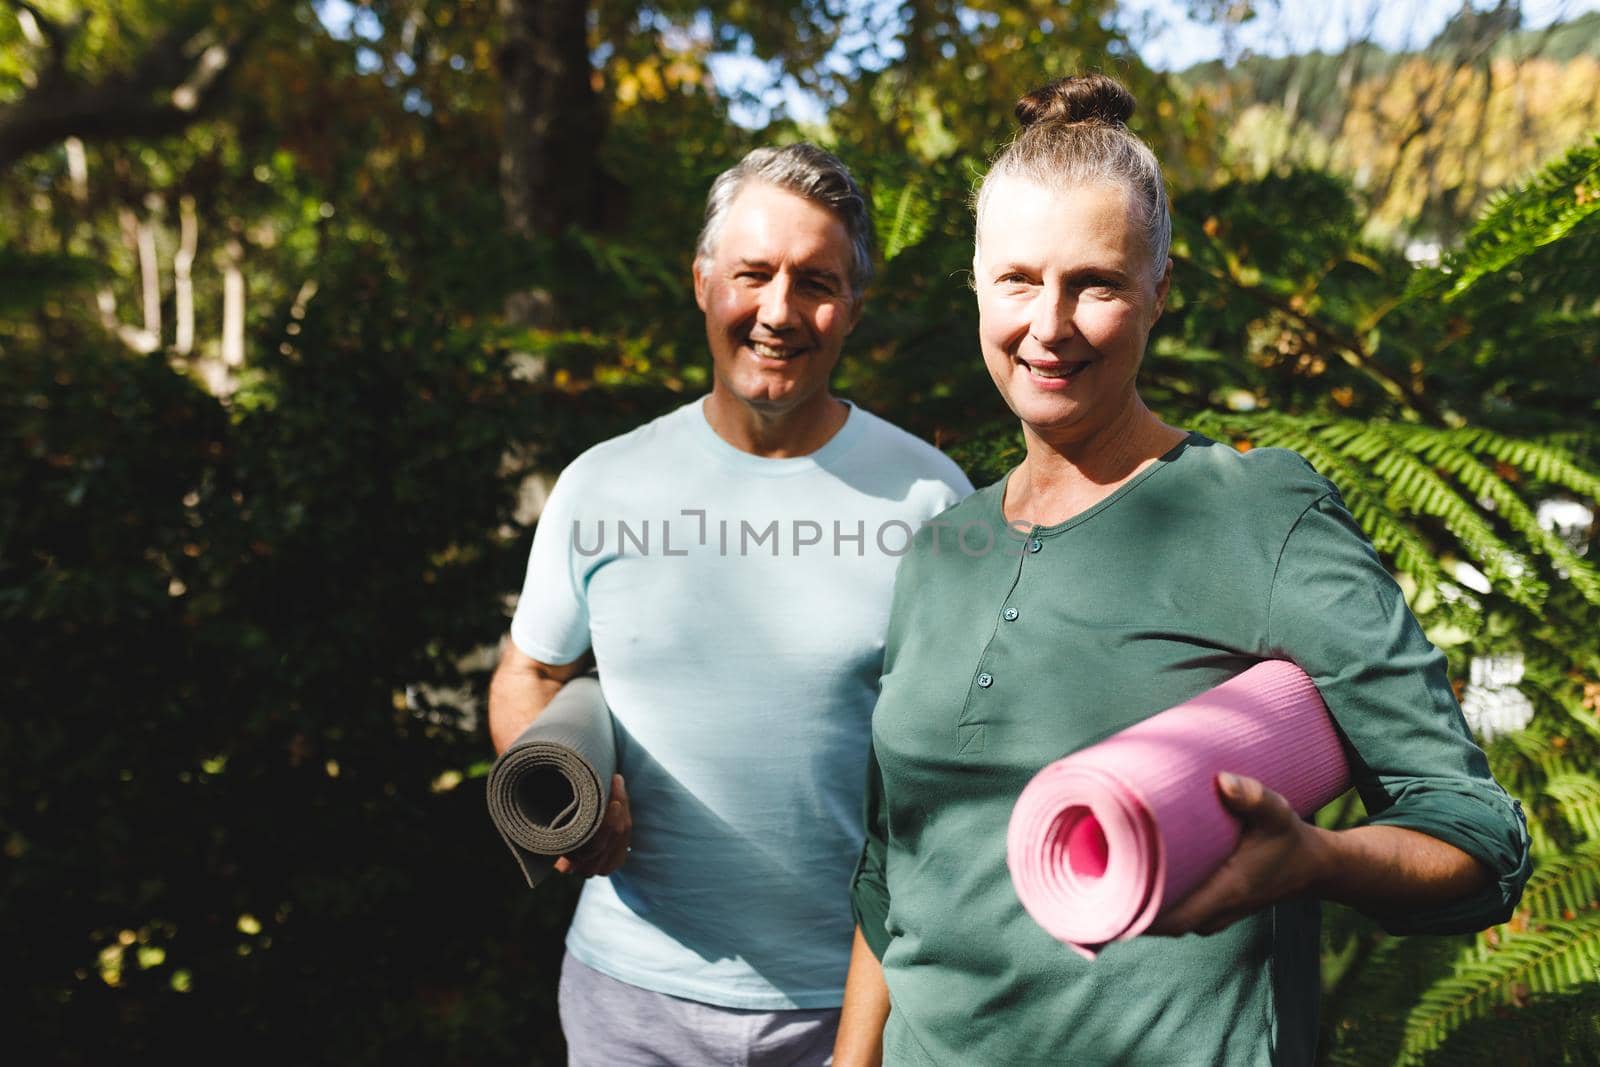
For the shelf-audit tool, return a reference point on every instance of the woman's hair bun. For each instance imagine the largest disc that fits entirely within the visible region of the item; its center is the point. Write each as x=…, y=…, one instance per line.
x=1080, y=98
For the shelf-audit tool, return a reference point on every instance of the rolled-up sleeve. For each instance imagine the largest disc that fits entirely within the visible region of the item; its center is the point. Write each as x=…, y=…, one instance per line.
x=869, y=888
x=1336, y=612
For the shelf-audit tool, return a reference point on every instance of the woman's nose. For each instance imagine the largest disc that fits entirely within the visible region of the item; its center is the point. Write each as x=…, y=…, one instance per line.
x=1053, y=311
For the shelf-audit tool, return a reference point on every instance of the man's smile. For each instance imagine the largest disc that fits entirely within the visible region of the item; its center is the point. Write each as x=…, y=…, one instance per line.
x=764, y=350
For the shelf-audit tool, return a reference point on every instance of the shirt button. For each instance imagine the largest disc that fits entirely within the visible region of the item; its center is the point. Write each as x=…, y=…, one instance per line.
x=1035, y=545
x=985, y=680
x=1011, y=615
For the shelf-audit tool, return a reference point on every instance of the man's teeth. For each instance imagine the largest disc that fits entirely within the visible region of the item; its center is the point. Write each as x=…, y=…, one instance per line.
x=768, y=352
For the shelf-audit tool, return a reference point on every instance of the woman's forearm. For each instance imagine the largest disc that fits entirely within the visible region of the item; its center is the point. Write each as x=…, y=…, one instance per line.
x=1382, y=869
x=866, y=1008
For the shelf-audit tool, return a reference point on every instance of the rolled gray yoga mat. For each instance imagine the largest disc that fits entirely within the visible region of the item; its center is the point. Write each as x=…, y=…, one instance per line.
x=549, y=789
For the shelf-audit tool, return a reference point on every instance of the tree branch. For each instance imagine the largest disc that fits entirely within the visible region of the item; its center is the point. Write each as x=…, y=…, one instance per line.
x=56, y=37
x=172, y=85
x=46, y=25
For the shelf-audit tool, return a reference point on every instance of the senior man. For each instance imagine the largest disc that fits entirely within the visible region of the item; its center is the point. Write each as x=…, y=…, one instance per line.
x=728, y=567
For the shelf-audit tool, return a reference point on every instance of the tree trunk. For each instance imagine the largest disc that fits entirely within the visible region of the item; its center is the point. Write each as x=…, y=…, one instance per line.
x=183, y=275
x=233, y=306
x=552, y=117
x=149, y=277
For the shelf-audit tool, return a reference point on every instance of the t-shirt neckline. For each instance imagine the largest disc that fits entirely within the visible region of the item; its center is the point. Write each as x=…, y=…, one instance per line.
x=842, y=441
x=1160, y=463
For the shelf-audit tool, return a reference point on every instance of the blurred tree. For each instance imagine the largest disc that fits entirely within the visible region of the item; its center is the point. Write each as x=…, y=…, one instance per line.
x=260, y=444
x=173, y=79
x=1427, y=134
x=552, y=127
x=939, y=79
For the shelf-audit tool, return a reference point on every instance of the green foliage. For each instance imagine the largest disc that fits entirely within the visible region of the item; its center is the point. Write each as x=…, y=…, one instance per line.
x=1544, y=1029
x=900, y=217
x=224, y=772
x=1557, y=957
x=1562, y=200
x=1565, y=884
x=240, y=782
x=29, y=279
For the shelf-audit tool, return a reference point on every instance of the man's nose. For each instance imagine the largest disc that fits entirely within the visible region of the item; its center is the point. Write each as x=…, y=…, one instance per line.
x=1053, y=312
x=777, y=310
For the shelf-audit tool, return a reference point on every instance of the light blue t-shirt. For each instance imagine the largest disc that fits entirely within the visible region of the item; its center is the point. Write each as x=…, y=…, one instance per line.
x=736, y=607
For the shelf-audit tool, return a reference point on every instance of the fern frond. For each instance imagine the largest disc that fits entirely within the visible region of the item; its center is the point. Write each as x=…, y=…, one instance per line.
x=1512, y=767
x=1547, y=461
x=1437, y=448
x=1554, y=1030
x=1546, y=751
x=1418, y=488
x=1364, y=1017
x=905, y=220
x=1578, y=796
x=1574, y=442
x=1522, y=220
x=1547, y=682
x=1564, y=884
x=1555, y=957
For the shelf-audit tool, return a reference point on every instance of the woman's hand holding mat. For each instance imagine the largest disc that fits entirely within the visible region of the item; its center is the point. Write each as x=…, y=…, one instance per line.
x=1105, y=841
x=1279, y=855
x=555, y=792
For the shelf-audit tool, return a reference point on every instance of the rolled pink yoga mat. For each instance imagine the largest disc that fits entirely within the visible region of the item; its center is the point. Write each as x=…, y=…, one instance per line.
x=1103, y=840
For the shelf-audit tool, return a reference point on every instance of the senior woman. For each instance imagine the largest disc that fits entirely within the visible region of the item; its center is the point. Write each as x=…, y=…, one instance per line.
x=1135, y=566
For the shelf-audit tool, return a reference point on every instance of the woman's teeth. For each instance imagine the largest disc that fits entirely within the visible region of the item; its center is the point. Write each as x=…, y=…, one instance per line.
x=1063, y=370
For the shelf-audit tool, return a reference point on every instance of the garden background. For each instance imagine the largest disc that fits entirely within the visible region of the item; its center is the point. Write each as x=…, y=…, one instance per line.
x=301, y=303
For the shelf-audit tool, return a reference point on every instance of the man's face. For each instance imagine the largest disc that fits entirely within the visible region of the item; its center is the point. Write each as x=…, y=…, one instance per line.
x=777, y=299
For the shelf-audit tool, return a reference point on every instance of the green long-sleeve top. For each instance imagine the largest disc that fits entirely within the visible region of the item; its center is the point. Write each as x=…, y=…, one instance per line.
x=1008, y=649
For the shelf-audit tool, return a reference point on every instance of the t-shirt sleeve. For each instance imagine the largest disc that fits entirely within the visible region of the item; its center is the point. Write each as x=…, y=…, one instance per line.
x=869, y=888
x=958, y=487
x=551, y=622
x=1337, y=613
x=940, y=486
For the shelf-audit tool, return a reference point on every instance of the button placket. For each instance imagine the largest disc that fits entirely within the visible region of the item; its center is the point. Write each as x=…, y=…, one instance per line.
x=978, y=708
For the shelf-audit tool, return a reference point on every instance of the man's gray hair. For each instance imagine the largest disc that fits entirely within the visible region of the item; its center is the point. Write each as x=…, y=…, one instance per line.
x=807, y=171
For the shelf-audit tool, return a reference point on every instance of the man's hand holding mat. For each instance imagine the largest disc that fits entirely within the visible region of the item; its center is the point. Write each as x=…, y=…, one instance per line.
x=554, y=791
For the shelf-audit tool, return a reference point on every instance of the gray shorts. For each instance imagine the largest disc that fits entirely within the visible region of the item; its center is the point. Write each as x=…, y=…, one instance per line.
x=613, y=1024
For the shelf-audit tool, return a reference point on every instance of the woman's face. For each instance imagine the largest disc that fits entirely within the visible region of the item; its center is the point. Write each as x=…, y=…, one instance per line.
x=1066, y=299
